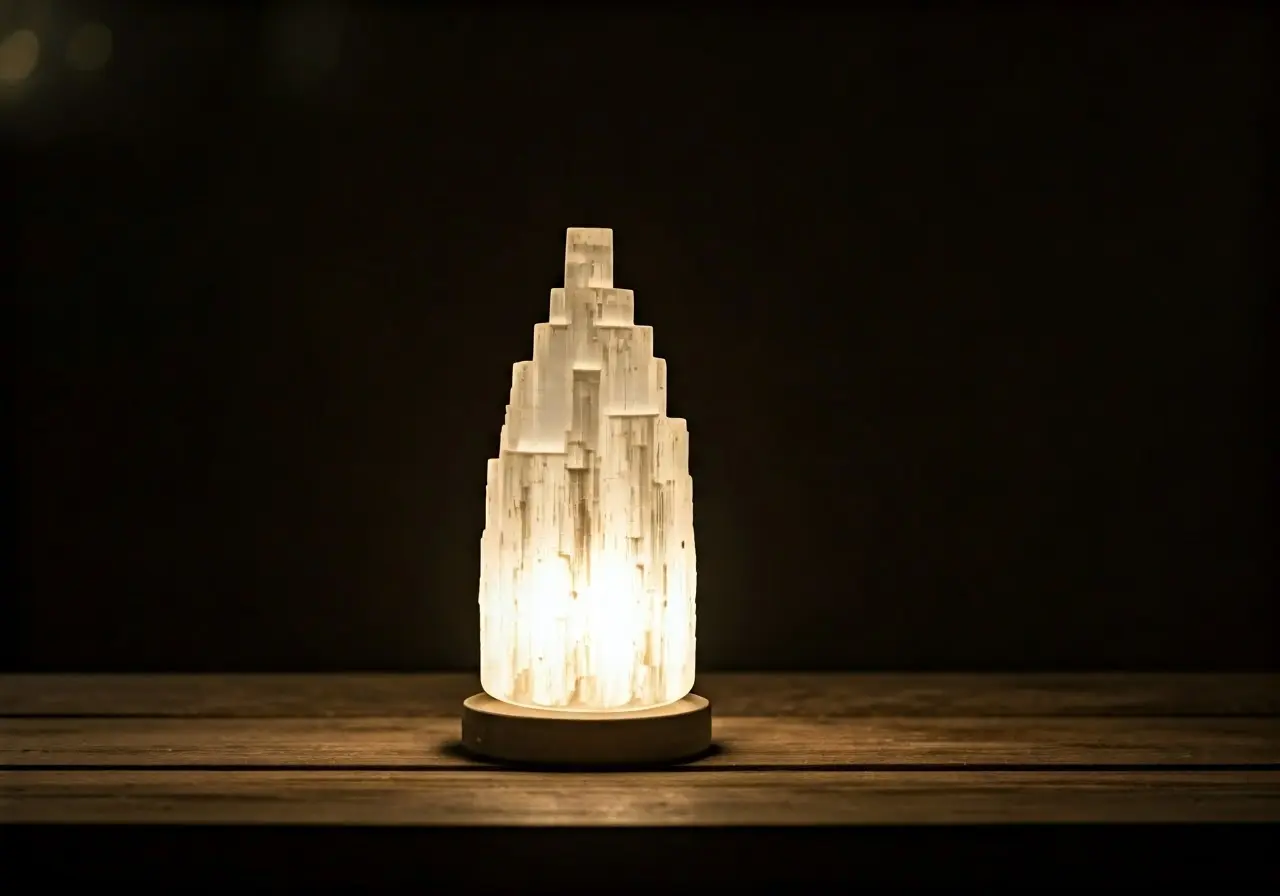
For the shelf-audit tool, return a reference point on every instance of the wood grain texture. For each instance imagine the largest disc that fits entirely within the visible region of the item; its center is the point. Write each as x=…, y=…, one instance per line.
x=748, y=694
x=743, y=742
x=802, y=749
x=660, y=798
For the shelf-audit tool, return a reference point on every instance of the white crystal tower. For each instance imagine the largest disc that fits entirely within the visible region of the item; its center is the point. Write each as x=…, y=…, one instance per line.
x=587, y=572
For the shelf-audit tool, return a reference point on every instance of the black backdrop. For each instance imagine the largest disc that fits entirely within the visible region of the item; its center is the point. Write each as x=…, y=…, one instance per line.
x=965, y=311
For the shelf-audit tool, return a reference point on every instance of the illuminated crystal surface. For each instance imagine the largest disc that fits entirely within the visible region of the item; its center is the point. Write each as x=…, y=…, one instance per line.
x=587, y=573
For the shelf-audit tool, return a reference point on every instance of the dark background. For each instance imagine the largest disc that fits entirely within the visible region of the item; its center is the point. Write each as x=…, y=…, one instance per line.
x=965, y=310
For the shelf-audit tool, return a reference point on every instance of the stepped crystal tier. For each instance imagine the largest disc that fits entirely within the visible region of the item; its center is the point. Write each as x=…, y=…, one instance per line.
x=587, y=564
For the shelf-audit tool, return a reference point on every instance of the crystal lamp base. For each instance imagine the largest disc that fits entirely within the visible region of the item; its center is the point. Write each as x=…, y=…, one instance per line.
x=502, y=732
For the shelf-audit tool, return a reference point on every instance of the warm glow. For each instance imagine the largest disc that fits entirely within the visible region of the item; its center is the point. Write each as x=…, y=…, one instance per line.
x=587, y=572
x=19, y=53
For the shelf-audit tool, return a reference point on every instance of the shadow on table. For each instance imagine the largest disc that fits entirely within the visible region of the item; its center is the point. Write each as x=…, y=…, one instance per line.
x=455, y=749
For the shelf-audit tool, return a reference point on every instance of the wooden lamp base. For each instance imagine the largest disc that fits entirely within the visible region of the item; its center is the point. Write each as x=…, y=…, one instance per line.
x=516, y=734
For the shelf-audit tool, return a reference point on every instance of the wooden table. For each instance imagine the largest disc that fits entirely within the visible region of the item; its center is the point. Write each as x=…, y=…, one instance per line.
x=861, y=777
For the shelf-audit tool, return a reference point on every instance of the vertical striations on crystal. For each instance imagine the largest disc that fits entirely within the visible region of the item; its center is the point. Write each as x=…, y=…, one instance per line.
x=587, y=562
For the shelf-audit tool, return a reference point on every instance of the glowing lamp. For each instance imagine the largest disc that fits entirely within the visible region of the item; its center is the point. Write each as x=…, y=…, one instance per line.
x=587, y=562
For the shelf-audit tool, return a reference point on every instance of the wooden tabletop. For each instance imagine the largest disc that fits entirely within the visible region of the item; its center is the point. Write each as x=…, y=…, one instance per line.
x=803, y=757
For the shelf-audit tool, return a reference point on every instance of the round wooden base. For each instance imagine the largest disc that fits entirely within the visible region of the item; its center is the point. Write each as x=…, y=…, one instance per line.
x=515, y=734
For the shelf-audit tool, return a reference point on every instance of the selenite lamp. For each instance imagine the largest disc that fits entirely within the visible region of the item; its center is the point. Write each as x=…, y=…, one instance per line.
x=587, y=563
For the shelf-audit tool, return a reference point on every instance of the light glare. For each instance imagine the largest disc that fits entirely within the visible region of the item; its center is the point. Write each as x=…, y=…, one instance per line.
x=19, y=53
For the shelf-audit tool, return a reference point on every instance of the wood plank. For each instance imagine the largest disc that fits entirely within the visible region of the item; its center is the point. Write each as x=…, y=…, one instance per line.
x=1040, y=694
x=488, y=797
x=732, y=694
x=240, y=696
x=743, y=742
